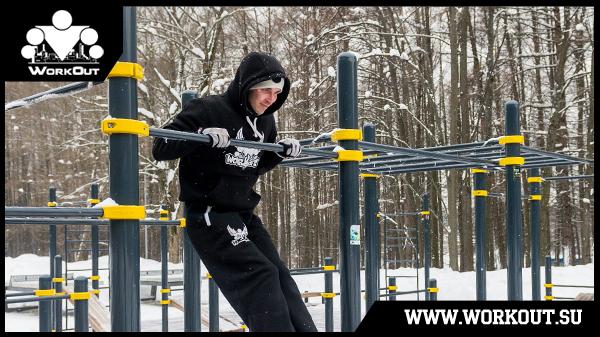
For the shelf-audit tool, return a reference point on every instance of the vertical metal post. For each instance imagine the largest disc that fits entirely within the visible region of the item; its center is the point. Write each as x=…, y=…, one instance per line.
x=45, y=307
x=81, y=305
x=513, y=204
x=213, y=305
x=427, y=241
x=480, y=193
x=548, y=284
x=371, y=228
x=329, y=299
x=57, y=280
x=95, y=244
x=349, y=188
x=191, y=268
x=124, y=190
x=392, y=288
x=52, y=229
x=432, y=290
x=164, y=278
x=535, y=197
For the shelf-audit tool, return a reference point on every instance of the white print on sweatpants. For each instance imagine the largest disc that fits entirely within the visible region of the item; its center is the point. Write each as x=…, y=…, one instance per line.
x=239, y=235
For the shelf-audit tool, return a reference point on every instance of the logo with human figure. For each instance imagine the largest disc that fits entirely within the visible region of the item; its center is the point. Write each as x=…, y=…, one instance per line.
x=62, y=42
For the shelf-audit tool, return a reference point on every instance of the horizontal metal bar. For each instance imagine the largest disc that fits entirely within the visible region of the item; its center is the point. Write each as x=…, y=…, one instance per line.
x=570, y=286
x=401, y=229
x=401, y=246
x=83, y=222
x=403, y=293
x=397, y=261
x=29, y=293
x=69, y=89
x=402, y=276
x=401, y=214
x=313, y=272
x=426, y=154
x=87, y=250
x=36, y=299
x=319, y=139
x=590, y=176
x=53, y=211
x=557, y=155
x=180, y=135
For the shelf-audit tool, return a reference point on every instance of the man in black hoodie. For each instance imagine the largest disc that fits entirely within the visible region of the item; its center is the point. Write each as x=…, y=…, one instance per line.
x=217, y=183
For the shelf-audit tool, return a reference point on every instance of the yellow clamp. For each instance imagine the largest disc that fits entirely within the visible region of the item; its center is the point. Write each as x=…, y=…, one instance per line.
x=515, y=139
x=476, y=170
x=124, y=125
x=182, y=223
x=349, y=155
x=164, y=215
x=95, y=291
x=166, y=290
x=52, y=204
x=80, y=296
x=346, y=134
x=165, y=302
x=93, y=201
x=535, y=179
x=433, y=290
x=479, y=193
x=95, y=277
x=328, y=295
x=548, y=298
x=45, y=292
x=424, y=212
x=392, y=288
x=368, y=175
x=535, y=197
x=58, y=280
x=123, y=212
x=379, y=215
x=548, y=285
x=328, y=267
x=127, y=69
x=511, y=161
x=244, y=326
x=208, y=275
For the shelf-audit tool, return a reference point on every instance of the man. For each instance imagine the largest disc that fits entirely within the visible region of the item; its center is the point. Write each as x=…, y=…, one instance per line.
x=217, y=182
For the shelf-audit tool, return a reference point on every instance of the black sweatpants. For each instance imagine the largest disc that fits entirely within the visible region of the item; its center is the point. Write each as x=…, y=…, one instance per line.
x=240, y=256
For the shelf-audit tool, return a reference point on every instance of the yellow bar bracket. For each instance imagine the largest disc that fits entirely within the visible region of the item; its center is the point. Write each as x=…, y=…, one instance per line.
x=124, y=212
x=81, y=296
x=95, y=277
x=165, y=302
x=349, y=155
x=548, y=298
x=368, y=175
x=518, y=139
x=535, y=179
x=548, y=285
x=166, y=290
x=392, y=288
x=52, y=204
x=479, y=193
x=424, y=212
x=182, y=223
x=328, y=295
x=58, y=280
x=535, y=197
x=511, y=161
x=45, y=292
x=93, y=201
x=123, y=125
x=208, y=275
x=127, y=69
x=328, y=267
x=346, y=134
x=433, y=290
x=475, y=170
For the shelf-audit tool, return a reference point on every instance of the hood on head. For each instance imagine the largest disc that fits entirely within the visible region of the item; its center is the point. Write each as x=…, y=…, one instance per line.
x=254, y=68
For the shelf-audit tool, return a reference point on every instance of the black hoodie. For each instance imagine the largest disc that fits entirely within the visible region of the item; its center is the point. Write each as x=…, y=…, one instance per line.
x=224, y=178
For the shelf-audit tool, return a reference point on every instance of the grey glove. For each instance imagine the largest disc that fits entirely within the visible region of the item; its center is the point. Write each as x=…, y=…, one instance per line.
x=219, y=136
x=291, y=147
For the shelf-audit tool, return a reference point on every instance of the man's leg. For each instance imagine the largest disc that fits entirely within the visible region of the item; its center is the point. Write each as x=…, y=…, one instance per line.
x=248, y=280
x=299, y=314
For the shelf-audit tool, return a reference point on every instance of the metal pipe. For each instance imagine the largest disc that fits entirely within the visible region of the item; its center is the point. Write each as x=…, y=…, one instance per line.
x=69, y=89
x=52, y=211
x=371, y=229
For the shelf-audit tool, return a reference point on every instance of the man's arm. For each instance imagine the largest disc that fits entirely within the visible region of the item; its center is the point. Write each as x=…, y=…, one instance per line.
x=188, y=120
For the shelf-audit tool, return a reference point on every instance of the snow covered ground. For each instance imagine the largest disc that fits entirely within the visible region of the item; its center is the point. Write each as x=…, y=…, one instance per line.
x=452, y=286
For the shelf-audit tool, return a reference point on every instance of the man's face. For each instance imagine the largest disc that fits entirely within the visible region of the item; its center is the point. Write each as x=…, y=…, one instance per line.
x=261, y=99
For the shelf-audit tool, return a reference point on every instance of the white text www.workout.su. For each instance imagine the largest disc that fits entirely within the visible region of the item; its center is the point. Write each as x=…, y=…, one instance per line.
x=493, y=316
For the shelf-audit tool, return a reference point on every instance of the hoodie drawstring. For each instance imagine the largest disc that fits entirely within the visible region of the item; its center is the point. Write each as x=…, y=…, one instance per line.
x=257, y=133
x=206, y=217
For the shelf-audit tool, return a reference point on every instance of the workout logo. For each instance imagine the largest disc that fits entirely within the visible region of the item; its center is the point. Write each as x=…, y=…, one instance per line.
x=62, y=44
x=239, y=235
x=243, y=157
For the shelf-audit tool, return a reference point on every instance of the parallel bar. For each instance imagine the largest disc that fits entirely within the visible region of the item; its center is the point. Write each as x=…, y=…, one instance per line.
x=69, y=89
x=52, y=211
x=557, y=155
x=180, y=135
x=591, y=176
x=84, y=222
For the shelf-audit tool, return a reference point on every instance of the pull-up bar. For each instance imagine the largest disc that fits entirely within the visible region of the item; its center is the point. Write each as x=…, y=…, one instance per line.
x=69, y=89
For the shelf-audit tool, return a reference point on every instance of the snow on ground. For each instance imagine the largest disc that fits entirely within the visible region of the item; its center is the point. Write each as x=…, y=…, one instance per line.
x=452, y=286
